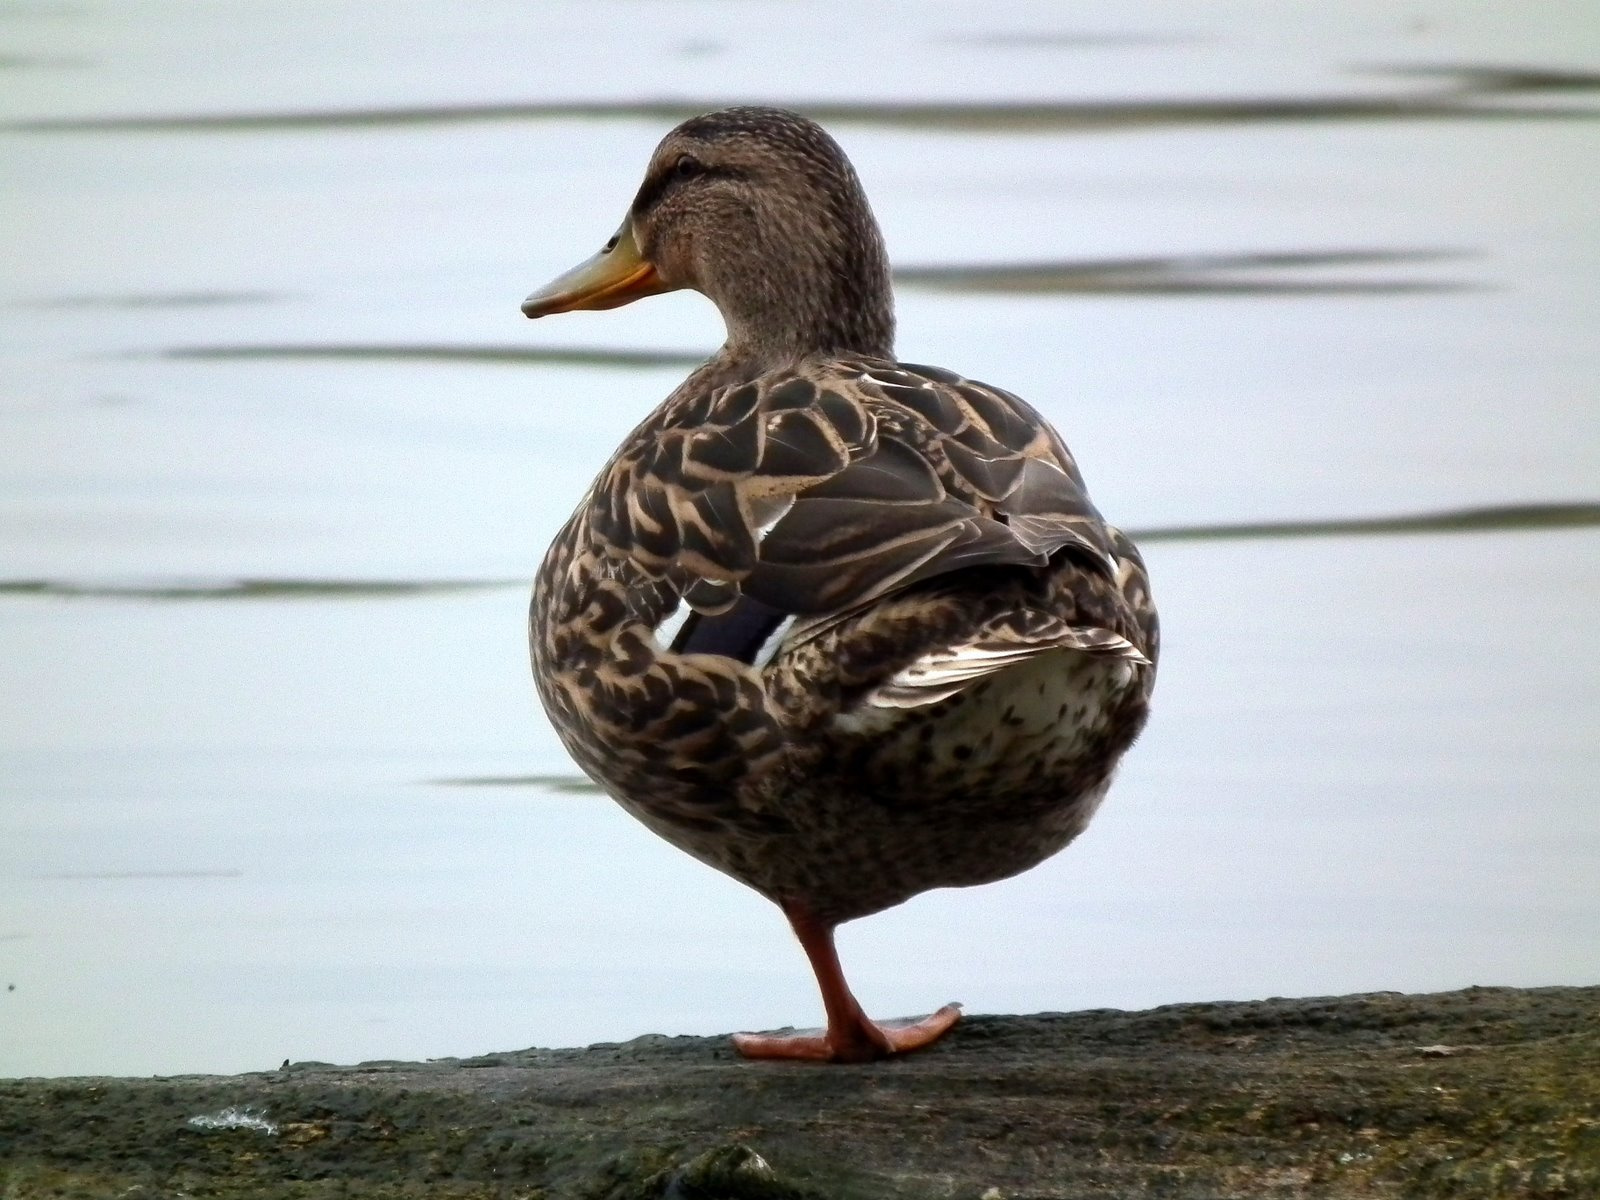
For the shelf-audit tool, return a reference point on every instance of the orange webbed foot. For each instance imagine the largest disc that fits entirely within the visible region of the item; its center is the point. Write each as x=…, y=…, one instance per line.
x=855, y=1041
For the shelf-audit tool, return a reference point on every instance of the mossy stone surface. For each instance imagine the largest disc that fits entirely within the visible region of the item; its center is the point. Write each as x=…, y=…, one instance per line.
x=1488, y=1092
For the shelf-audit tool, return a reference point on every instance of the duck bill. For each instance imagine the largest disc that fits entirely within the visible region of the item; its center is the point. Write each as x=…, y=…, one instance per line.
x=618, y=275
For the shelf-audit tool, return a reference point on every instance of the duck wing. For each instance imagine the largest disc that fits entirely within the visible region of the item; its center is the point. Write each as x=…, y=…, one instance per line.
x=818, y=491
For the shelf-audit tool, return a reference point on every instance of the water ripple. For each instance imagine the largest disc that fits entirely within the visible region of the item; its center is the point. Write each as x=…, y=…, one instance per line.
x=1491, y=518
x=561, y=784
x=1466, y=93
x=1499, y=518
x=1253, y=273
x=581, y=356
x=246, y=589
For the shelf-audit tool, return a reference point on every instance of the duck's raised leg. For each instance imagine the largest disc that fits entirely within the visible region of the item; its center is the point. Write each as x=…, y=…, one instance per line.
x=851, y=1036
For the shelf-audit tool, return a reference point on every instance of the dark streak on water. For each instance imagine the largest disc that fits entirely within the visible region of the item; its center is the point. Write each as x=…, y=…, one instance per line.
x=563, y=784
x=1264, y=272
x=1495, y=518
x=248, y=589
x=40, y=62
x=1468, y=94
x=1046, y=40
x=1503, y=80
x=1204, y=274
x=165, y=300
x=197, y=874
x=581, y=356
x=1503, y=518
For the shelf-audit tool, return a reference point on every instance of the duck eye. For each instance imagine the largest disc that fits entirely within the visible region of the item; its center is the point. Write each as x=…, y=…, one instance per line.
x=686, y=166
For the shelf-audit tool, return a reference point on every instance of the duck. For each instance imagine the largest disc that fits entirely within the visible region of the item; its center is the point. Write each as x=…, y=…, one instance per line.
x=843, y=627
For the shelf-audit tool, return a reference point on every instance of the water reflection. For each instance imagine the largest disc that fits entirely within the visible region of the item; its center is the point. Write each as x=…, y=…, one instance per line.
x=247, y=589
x=1048, y=39
x=561, y=785
x=1261, y=273
x=39, y=62
x=134, y=300
x=1468, y=93
x=1482, y=519
x=271, y=762
x=562, y=356
x=1257, y=273
x=1507, y=80
x=1494, y=518
x=191, y=874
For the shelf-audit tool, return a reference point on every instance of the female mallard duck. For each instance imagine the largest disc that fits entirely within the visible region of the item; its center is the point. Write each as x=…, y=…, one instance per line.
x=842, y=627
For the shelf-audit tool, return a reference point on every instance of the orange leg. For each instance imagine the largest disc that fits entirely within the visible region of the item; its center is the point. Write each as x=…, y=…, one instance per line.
x=850, y=1036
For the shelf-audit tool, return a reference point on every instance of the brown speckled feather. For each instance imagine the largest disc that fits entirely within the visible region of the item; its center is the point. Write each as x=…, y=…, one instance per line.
x=904, y=515
x=822, y=487
x=915, y=650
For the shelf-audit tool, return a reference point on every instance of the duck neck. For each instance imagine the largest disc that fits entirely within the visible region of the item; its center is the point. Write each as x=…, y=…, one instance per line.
x=840, y=324
x=831, y=299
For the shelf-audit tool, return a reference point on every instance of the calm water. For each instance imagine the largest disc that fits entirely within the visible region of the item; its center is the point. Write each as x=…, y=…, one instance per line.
x=278, y=456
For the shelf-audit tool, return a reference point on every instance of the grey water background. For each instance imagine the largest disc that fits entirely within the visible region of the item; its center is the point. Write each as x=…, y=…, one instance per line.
x=1311, y=290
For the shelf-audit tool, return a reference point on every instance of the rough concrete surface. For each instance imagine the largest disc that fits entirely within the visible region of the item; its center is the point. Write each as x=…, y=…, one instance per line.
x=1488, y=1092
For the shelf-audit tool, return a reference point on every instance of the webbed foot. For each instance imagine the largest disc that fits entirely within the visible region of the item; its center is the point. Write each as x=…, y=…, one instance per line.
x=851, y=1041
